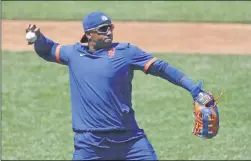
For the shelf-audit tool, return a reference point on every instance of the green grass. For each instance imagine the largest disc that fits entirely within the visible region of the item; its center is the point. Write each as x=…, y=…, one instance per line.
x=196, y=11
x=36, y=113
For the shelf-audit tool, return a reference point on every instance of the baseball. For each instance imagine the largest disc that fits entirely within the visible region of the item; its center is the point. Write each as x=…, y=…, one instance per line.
x=31, y=37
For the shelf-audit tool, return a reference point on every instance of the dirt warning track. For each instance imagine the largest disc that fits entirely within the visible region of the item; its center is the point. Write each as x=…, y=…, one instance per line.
x=150, y=36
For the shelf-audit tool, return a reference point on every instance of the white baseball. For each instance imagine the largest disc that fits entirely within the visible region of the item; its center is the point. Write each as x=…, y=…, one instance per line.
x=31, y=37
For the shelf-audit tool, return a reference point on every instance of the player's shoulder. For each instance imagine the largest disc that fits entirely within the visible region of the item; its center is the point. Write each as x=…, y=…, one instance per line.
x=120, y=46
x=73, y=47
x=127, y=49
x=66, y=47
x=124, y=46
x=69, y=49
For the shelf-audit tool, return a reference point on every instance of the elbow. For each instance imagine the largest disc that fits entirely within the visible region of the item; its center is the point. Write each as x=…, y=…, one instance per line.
x=158, y=68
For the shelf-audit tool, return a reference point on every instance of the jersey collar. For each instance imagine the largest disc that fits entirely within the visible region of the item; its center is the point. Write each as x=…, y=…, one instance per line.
x=84, y=48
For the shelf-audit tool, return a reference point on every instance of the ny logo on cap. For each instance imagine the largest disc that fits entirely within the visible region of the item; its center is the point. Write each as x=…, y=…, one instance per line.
x=104, y=18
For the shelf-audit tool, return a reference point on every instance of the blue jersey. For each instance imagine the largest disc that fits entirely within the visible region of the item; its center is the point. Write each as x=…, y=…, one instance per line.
x=100, y=82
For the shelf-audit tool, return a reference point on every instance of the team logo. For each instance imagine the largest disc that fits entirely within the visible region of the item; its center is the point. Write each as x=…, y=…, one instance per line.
x=111, y=52
x=104, y=18
x=204, y=98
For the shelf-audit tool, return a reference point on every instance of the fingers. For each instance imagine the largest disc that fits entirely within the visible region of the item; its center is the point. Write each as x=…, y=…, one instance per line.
x=37, y=30
x=28, y=28
x=31, y=27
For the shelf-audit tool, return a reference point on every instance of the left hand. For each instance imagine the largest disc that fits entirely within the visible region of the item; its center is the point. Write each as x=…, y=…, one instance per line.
x=205, y=112
x=206, y=116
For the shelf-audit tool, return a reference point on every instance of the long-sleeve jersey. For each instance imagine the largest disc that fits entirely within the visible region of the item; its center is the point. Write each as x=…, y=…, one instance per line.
x=101, y=82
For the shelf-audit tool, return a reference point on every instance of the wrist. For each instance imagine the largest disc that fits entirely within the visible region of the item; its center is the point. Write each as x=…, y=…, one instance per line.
x=186, y=83
x=196, y=89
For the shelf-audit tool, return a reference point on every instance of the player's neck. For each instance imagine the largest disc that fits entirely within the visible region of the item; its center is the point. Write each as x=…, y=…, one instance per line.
x=91, y=47
x=94, y=47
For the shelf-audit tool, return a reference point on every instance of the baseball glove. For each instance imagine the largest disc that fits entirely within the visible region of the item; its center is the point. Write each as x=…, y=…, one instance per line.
x=206, y=115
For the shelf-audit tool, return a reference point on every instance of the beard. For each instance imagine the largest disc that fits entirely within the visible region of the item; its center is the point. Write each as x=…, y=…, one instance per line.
x=103, y=43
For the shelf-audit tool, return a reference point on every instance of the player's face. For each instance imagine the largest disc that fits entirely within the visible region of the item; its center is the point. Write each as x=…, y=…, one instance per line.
x=102, y=36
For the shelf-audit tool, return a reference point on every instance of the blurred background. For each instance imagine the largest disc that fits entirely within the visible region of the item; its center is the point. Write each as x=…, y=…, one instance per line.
x=207, y=40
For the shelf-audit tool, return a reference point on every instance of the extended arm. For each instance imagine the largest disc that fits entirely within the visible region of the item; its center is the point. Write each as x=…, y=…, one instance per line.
x=46, y=48
x=166, y=71
x=151, y=65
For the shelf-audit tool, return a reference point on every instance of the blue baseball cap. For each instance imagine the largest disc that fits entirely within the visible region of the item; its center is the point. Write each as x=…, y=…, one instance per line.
x=93, y=20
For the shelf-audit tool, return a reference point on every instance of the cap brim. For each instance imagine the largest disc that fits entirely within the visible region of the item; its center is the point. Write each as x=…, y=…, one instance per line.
x=84, y=39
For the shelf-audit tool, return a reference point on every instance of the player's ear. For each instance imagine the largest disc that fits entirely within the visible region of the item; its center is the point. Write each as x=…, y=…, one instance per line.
x=88, y=35
x=112, y=27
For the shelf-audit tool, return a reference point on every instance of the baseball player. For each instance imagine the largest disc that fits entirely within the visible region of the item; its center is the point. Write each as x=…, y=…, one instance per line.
x=100, y=75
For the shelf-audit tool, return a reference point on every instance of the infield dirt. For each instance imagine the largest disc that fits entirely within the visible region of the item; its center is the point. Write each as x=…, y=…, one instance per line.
x=150, y=36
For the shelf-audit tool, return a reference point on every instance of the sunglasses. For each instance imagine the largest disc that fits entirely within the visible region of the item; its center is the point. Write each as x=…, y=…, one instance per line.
x=102, y=29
